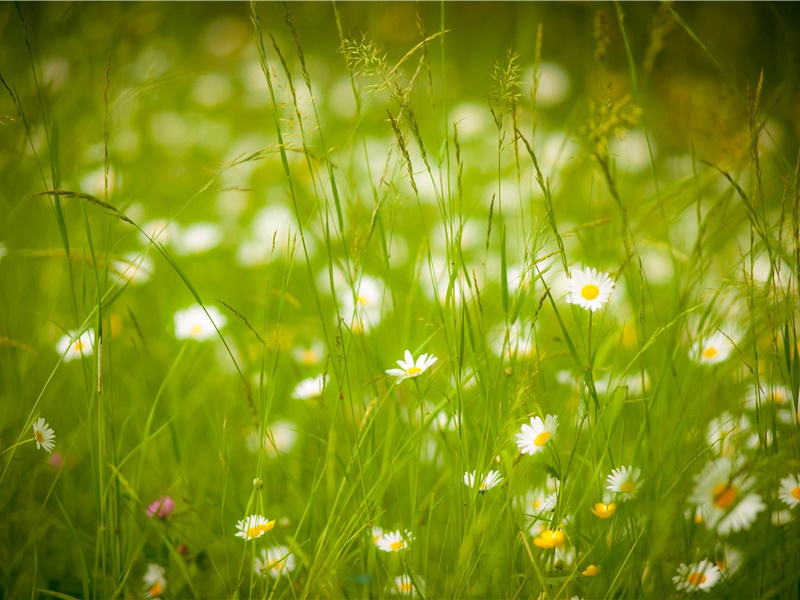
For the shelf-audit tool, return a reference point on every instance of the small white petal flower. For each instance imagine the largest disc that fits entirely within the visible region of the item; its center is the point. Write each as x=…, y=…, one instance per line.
x=790, y=490
x=83, y=346
x=309, y=388
x=193, y=323
x=43, y=435
x=410, y=368
x=403, y=586
x=712, y=349
x=276, y=562
x=535, y=436
x=589, y=289
x=492, y=479
x=394, y=541
x=154, y=580
x=697, y=576
x=625, y=482
x=253, y=526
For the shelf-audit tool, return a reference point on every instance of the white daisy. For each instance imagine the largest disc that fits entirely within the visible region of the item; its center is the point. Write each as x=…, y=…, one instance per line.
x=134, y=268
x=43, y=435
x=154, y=580
x=774, y=398
x=712, y=349
x=309, y=388
x=409, y=368
x=253, y=526
x=723, y=431
x=721, y=489
x=538, y=502
x=394, y=541
x=535, y=436
x=789, y=492
x=193, y=323
x=364, y=309
x=624, y=482
x=72, y=349
x=589, y=288
x=309, y=355
x=492, y=479
x=403, y=586
x=276, y=562
x=697, y=576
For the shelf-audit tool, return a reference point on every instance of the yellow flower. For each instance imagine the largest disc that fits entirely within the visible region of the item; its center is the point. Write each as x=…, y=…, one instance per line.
x=604, y=511
x=592, y=570
x=549, y=539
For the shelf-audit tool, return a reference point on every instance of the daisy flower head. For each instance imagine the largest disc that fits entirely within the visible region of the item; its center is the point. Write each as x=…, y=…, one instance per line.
x=403, y=586
x=589, y=288
x=154, y=580
x=535, y=436
x=276, y=562
x=43, y=435
x=394, y=541
x=723, y=432
x=253, y=526
x=539, y=501
x=410, y=368
x=712, y=349
x=624, y=482
x=697, y=576
x=790, y=490
x=309, y=388
x=193, y=323
x=492, y=479
x=83, y=346
x=162, y=508
x=721, y=489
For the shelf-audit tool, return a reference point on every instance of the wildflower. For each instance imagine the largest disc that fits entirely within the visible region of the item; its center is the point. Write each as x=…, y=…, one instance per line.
x=589, y=289
x=790, y=490
x=591, y=570
x=309, y=355
x=364, y=309
x=253, y=526
x=377, y=533
x=444, y=421
x=520, y=342
x=625, y=482
x=604, y=511
x=538, y=502
x=56, y=460
x=394, y=541
x=83, y=346
x=196, y=238
x=162, y=507
x=728, y=559
x=533, y=437
x=134, y=268
x=403, y=586
x=549, y=538
x=774, y=400
x=309, y=388
x=154, y=580
x=721, y=489
x=697, y=576
x=194, y=323
x=409, y=368
x=276, y=562
x=492, y=479
x=43, y=435
x=713, y=349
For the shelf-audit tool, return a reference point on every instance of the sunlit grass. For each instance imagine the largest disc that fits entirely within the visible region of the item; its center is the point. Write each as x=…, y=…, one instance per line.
x=290, y=310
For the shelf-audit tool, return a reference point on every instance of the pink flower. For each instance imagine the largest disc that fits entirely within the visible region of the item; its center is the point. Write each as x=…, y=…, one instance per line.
x=56, y=459
x=161, y=507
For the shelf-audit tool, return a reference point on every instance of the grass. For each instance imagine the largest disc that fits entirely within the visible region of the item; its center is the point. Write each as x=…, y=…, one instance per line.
x=334, y=184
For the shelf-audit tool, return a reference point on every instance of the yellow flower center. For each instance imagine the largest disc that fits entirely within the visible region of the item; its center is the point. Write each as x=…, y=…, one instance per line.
x=536, y=504
x=483, y=487
x=721, y=564
x=195, y=330
x=604, y=511
x=796, y=493
x=257, y=530
x=696, y=578
x=628, y=487
x=39, y=436
x=77, y=346
x=413, y=371
x=396, y=545
x=309, y=357
x=776, y=397
x=590, y=291
x=362, y=300
x=541, y=439
x=724, y=495
x=156, y=589
x=710, y=352
x=591, y=570
x=549, y=539
x=404, y=587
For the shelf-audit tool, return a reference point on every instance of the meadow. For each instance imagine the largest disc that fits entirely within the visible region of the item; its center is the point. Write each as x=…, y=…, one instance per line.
x=365, y=300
